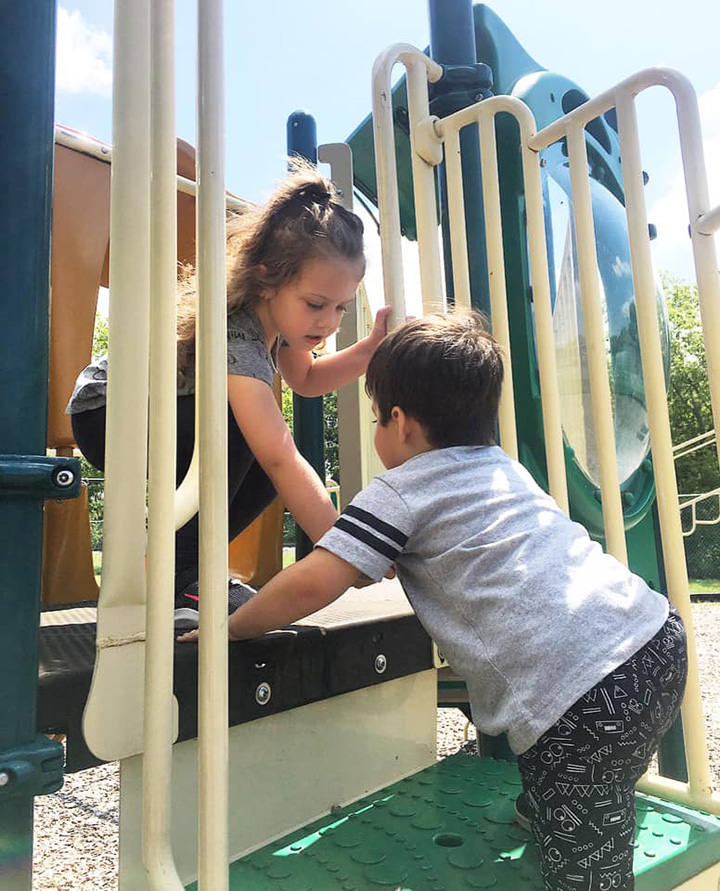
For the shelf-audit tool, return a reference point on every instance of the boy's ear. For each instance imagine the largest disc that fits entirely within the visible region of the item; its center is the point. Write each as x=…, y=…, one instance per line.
x=403, y=423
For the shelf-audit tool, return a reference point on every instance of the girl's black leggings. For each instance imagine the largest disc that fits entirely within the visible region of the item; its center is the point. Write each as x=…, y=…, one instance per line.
x=249, y=489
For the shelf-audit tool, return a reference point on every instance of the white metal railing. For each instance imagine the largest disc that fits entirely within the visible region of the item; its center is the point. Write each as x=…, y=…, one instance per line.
x=420, y=70
x=427, y=136
x=212, y=403
x=159, y=719
x=112, y=721
x=683, y=449
x=691, y=502
x=120, y=719
x=88, y=145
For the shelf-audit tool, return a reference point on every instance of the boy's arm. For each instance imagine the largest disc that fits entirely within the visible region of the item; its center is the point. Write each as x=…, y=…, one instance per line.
x=296, y=592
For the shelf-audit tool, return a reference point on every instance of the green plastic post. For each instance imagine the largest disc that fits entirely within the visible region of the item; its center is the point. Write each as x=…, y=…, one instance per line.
x=307, y=412
x=27, y=66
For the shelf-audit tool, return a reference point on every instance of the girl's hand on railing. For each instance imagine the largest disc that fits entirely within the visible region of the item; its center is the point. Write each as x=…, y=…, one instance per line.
x=379, y=328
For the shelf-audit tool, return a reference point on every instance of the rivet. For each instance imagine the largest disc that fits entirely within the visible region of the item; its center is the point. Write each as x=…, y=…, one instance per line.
x=4, y=778
x=380, y=663
x=263, y=693
x=64, y=478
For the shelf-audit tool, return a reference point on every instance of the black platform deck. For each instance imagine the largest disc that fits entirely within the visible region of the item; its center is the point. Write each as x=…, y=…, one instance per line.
x=332, y=652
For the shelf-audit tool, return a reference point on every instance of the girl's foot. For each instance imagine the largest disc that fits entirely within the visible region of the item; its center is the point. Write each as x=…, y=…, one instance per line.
x=187, y=602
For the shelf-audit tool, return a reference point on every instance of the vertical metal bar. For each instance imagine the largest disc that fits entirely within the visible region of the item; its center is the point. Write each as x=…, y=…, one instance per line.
x=120, y=656
x=456, y=217
x=540, y=279
x=452, y=42
x=595, y=340
x=496, y=275
x=433, y=297
x=386, y=167
x=129, y=320
x=308, y=428
x=159, y=703
x=704, y=253
x=354, y=413
x=387, y=189
x=27, y=65
x=660, y=434
x=212, y=396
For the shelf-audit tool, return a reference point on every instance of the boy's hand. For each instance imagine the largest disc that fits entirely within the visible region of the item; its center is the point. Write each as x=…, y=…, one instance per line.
x=188, y=636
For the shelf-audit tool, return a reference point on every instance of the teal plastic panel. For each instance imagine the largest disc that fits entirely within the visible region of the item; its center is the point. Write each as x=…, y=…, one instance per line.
x=451, y=827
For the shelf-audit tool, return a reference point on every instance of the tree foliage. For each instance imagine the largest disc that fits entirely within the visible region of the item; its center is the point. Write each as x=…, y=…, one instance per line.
x=330, y=428
x=689, y=392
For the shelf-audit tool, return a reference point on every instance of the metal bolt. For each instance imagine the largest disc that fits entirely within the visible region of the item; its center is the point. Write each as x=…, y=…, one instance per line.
x=64, y=478
x=380, y=663
x=4, y=778
x=263, y=693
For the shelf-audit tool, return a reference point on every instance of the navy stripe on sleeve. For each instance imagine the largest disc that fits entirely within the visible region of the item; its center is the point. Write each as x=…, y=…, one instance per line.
x=378, y=525
x=377, y=544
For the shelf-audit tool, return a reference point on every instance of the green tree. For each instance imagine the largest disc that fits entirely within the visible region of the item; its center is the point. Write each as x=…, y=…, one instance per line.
x=330, y=431
x=330, y=428
x=689, y=392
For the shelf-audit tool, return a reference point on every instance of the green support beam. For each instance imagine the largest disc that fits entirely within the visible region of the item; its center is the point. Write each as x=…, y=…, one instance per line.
x=27, y=765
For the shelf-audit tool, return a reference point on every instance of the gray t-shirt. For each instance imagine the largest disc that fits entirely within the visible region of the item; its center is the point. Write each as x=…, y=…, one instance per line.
x=247, y=355
x=523, y=604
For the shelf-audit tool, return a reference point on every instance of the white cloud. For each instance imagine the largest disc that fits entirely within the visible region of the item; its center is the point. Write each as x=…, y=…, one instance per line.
x=84, y=55
x=672, y=249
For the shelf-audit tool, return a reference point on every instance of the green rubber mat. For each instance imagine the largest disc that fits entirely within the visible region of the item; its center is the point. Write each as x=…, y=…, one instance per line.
x=451, y=827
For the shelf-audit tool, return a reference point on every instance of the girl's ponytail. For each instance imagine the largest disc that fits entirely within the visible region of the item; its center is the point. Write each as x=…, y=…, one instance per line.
x=268, y=245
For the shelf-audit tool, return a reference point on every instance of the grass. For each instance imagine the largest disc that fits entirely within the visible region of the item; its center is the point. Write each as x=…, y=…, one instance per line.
x=704, y=586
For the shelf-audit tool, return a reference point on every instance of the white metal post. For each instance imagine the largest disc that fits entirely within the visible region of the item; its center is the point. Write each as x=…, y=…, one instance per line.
x=386, y=167
x=160, y=707
x=424, y=158
x=660, y=435
x=595, y=341
x=212, y=397
x=118, y=678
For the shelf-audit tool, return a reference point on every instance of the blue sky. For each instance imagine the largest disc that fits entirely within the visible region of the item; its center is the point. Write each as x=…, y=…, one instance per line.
x=282, y=55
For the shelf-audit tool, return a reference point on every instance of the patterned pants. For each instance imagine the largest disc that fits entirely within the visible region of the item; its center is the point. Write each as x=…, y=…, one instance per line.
x=579, y=777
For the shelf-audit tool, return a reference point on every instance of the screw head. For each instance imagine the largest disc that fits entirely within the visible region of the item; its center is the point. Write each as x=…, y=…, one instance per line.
x=380, y=663
x=263, y=693
x=64, y=478
x=4, y=778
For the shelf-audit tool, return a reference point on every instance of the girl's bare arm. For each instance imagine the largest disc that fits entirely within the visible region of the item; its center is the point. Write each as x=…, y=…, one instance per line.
x=269, y=438
x=309, y=376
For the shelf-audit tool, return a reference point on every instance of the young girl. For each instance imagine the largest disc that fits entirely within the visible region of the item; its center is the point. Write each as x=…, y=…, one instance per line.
x=294, y=265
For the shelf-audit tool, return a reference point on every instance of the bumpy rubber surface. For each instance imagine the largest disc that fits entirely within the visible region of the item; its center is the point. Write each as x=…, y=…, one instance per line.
x=451, y=827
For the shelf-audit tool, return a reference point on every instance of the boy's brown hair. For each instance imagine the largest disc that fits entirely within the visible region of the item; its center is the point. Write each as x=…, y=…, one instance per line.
x=446, y=372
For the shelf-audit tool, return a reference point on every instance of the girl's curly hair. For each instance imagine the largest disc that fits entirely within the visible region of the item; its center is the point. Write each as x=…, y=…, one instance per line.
x=268, y=245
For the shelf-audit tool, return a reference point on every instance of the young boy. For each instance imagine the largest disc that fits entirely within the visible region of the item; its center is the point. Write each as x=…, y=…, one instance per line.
x=562, y=648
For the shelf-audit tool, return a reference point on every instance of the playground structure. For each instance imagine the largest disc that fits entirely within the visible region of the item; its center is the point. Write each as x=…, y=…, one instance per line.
x=376, y=730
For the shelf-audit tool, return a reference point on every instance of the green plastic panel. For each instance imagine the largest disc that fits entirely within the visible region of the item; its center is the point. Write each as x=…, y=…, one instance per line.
x=451, y=827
